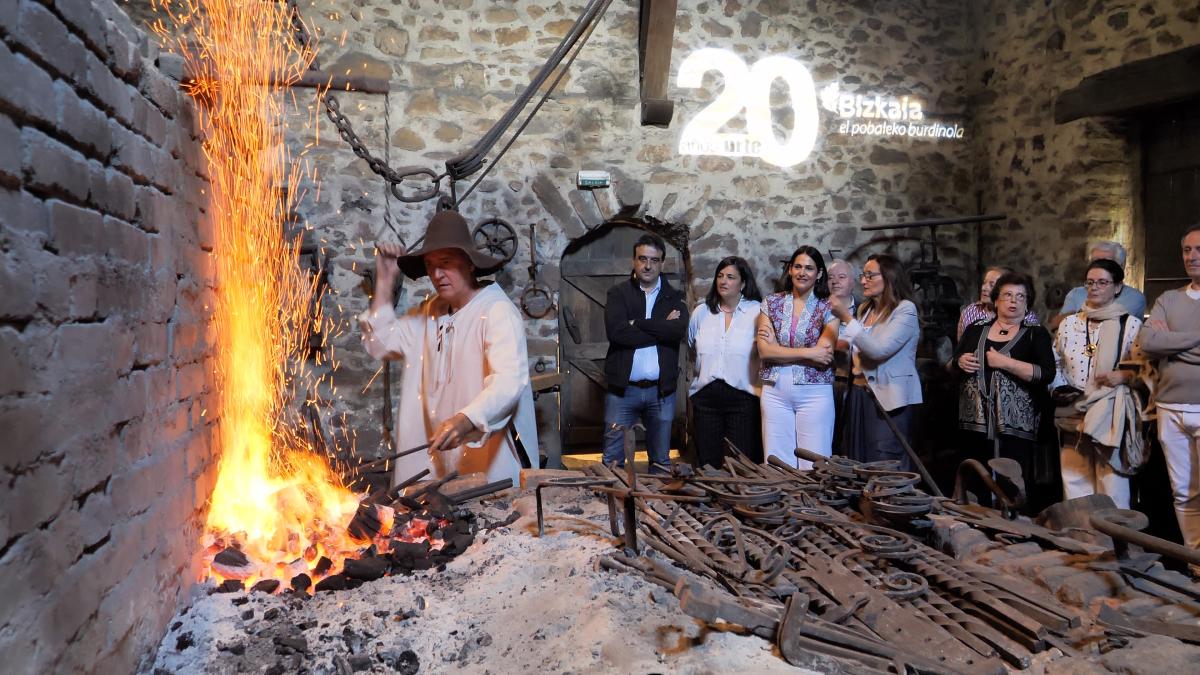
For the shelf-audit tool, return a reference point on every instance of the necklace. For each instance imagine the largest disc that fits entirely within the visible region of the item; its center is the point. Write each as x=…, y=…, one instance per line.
x=727, y=311
x=1090, y=347
x=1003, y=330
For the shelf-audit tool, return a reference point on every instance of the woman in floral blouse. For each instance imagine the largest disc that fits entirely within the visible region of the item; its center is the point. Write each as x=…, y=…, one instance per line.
x=796, y=337
x=1004, y=365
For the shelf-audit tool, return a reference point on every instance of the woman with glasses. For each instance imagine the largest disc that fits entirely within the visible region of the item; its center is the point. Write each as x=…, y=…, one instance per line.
x=883, y=347
x=724, y=392
x=1097, y=418
x=984, y=308
x=796, y=336
x=1004, y=364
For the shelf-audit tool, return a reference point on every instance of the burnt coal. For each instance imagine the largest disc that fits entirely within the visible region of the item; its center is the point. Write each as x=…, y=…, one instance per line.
x=231, y=586
x=359, y=662
x=183, y=642
x=367, y=569
x=323, y=566
x=292, y=642
x=232, y=558
x=337, y=582
x=301, y=582
x=235, y=648
x=266, y=586
x=271, y=614
x=365, y=524
x=403, y=553
x=405, y=662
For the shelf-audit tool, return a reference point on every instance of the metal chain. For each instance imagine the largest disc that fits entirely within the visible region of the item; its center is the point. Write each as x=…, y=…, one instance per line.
x=345, y=129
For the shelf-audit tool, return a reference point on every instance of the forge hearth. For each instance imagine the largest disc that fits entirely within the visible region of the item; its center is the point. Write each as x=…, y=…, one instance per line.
x=1018, y=596
x=399, y=534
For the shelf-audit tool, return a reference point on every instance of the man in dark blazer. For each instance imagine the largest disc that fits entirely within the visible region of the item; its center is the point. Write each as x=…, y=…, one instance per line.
x=646, y=319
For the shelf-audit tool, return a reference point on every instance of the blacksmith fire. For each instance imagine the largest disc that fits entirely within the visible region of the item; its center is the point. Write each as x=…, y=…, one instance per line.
x=591, y=336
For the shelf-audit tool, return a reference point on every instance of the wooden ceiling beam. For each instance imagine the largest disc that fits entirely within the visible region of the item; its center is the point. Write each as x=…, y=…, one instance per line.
x=1133, y=87
x=656, y=35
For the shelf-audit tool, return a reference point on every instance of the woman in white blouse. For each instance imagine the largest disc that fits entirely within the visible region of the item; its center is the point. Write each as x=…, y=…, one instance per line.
x=1097, y=418
x=724, y=391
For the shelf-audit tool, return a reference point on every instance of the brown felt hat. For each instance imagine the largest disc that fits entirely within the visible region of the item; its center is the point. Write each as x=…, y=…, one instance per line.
x=448, y=229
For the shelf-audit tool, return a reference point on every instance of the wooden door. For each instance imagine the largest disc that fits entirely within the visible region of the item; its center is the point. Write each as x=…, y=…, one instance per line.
x=1171, y=197
x=588, y=271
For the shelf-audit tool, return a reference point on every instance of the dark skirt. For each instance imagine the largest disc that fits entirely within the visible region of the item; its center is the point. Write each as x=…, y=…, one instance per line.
x=866, y=436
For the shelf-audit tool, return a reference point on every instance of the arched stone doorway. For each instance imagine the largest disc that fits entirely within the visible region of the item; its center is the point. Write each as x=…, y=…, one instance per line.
x=591, y=265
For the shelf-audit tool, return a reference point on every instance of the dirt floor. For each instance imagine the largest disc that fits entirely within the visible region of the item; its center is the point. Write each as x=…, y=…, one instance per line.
x=512, y=603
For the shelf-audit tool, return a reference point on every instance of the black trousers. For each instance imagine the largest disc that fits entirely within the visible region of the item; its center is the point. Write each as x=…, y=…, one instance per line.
x=720, y=411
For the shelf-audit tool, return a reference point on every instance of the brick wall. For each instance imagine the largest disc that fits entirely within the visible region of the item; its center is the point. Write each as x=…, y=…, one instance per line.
x=104, y=268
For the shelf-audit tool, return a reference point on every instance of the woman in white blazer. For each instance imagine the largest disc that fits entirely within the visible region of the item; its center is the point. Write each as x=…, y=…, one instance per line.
x=883, y=345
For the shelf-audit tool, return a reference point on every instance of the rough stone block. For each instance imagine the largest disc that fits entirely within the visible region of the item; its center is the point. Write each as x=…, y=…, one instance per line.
x=23, y=87
x=148, y=120
x=83, y=16
x=40, y=32
x=150, y=344
x=17, y=279
x=585, y=206
x=122, y=45
x=10, y=153
x=52, y=167
x=162, y=91
x=81, y=122
x=190, y=381
x=23, y=217
x=553, y=201
x=126, y=242
x=75, y=231
x=135, y=156
x=35, y=497
x=110, y=91
x=112, y=192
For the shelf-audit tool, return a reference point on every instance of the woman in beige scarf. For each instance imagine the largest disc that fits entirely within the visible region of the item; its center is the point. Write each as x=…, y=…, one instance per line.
x=1095, y=353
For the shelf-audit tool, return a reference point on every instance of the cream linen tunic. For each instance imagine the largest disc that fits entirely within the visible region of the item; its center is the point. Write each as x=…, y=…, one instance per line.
x=474, y=361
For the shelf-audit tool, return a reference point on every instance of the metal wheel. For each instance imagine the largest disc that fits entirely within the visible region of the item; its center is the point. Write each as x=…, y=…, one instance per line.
x=496, y=238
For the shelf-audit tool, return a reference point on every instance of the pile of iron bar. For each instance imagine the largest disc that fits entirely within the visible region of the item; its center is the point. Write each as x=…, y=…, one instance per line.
x=801, y=559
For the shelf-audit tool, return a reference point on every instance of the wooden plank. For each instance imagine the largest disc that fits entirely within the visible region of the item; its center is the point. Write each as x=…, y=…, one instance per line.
x=593, y=372
x=655, y=37
x=595, y=289
x=1133, y=87
x=588, y=350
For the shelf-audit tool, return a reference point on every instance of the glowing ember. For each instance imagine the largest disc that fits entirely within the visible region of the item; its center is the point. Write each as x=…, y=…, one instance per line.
x=275, y=500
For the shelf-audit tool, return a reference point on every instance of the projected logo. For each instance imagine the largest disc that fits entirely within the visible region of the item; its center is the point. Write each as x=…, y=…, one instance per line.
x=747, y=88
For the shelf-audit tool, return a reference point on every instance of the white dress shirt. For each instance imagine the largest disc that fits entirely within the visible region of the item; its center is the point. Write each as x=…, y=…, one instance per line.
x=725, y=353
x=645, y=360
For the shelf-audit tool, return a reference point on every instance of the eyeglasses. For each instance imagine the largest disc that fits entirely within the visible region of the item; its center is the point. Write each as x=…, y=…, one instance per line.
x=647, y=259
x=1097, y=283
x=867, y=276
x=1013, y=297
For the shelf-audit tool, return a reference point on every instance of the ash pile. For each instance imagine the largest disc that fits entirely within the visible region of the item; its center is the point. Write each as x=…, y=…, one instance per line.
x=850, y=567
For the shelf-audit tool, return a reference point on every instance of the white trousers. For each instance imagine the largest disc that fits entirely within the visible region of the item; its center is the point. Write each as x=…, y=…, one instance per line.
x=797, y=416
x=1086, y=471
x=1179, y=434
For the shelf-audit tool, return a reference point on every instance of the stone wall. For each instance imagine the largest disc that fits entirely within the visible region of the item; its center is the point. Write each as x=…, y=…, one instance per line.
x=104, y=265
x=1063, y=185
x=455, y=66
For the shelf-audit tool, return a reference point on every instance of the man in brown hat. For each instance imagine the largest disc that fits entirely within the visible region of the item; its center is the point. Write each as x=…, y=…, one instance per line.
x=465, y=384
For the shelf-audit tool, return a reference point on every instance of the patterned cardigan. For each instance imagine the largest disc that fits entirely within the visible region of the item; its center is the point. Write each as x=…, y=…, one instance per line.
x=777, y=307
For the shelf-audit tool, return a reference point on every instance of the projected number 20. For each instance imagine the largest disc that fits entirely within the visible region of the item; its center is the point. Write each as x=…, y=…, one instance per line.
x=749, y=88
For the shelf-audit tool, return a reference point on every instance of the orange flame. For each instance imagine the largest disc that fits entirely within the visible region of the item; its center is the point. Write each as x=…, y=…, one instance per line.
x=275, y=498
